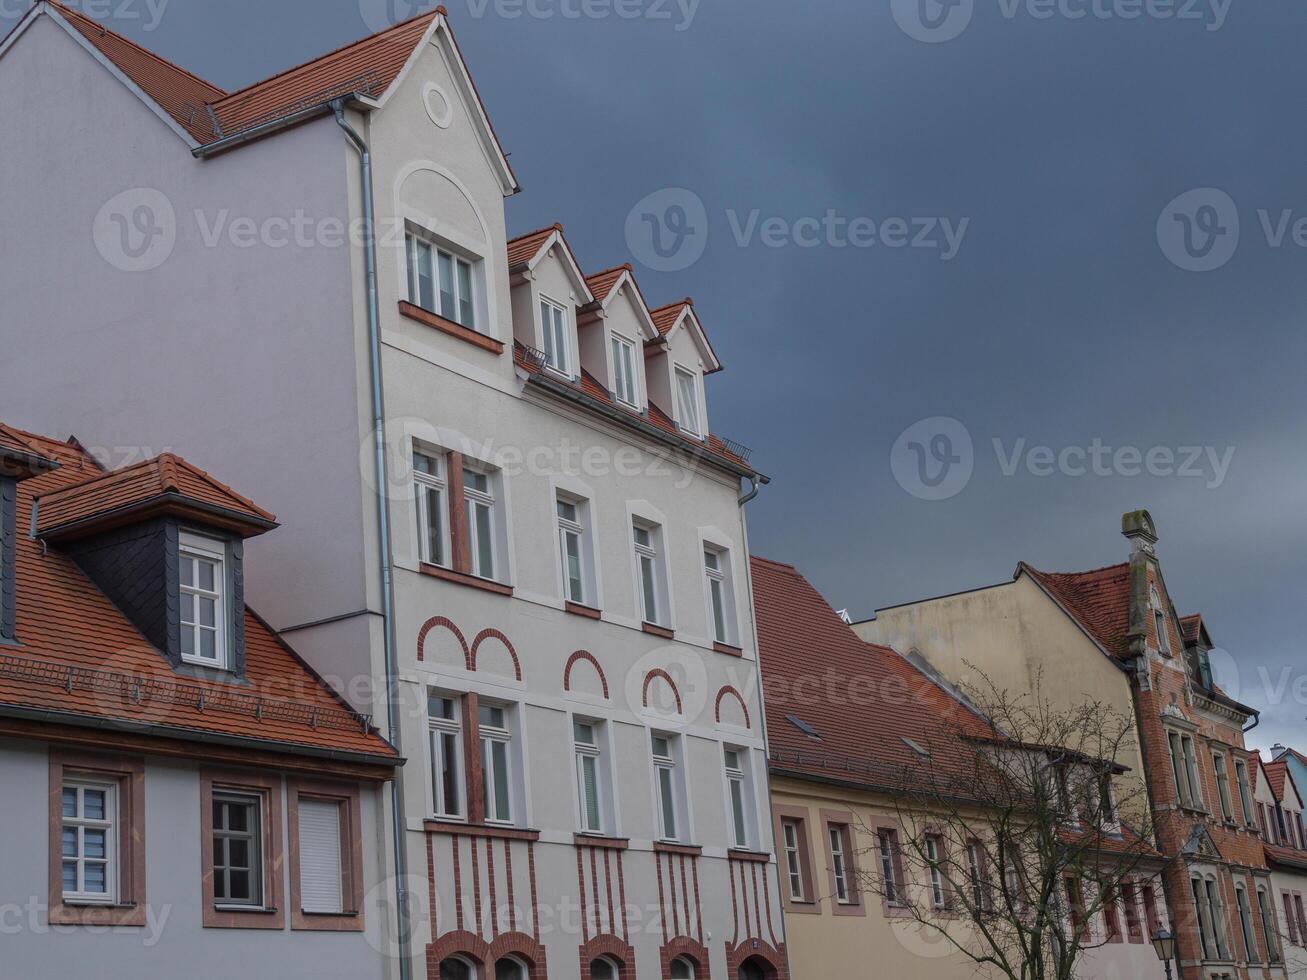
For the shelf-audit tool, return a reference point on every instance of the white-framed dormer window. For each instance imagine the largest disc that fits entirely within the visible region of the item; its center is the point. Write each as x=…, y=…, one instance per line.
x=576, y=550
x=479, y=501
x=202, y=582
x=430, y=489
x=668, y=790
x=739, y=796
x=441, y=282
x=651, y=576
x=444, y=714
x=721, y=594
x=88, y=842
x=554, y=333
x=589, y=775
x=687, y=402
x=625, y=386
x=498, y=763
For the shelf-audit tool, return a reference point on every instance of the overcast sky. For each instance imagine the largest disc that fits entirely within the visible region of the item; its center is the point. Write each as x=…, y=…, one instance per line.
x=1004, y=249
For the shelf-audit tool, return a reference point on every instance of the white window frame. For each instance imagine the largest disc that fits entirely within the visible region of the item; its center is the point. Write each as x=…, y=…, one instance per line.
x=555, y=334
x=254, y=801
x=938, y=894
x=580, y=530
x=424, y=485
x=591, y=752
x=739, y=796
x=626, y=371
x=1184, y=767
x=886, y=842
x=976, y=871
x=1221, y=772
x=649, y=556
x=79, y=823
x=473, y=500
x=719, y=585
x=839, y=863
x=441, y=733
x=668, y=792
x=1246, y=928
x=790, y=844
x=194, y=547
x=458, y=287
x=689, y=417
x=491, y=736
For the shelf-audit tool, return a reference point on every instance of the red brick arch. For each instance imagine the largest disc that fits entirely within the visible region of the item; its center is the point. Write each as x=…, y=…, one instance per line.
x=441, y=622
x=684, y=947
x=659, y=672
x=772, y=960
x=732, y=692
x=485, y=955
x=489, y=634
x=614, y=949
x=590, y=658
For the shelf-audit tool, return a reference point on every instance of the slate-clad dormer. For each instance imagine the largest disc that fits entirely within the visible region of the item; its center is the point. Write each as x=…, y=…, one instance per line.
x=164, y=540
x=19, y=460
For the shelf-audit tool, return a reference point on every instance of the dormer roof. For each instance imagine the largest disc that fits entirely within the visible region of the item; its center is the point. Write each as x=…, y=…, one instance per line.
x=606, y=286
x=166, y=484
x=527, y=251
x=681, y=315
x=20, y=457
x=1098, y=600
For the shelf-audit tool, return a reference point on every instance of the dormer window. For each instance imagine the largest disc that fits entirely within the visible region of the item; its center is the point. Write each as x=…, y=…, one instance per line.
x=624, y=385
x=441, y=282
x=202, y=584
x=687, y=402
x=1159, y=620
x=553, y=326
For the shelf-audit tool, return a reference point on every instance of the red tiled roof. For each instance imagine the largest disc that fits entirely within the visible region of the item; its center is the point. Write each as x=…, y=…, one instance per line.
x=1191, y=627
x=1099, y=600
x=1286, y=856
x=523, y=248
x=179, y=93
x=136, y=486
x=17, y=448
x=665, y=317
x=602, y=283
x=805, y=645
x=369, y=65
x=79, y=654
x=1275, y=773
x=593, y=388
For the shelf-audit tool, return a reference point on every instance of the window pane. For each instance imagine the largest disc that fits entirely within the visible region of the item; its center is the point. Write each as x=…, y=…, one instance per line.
x=93, y=801
x=547, y=327
x=491, y=716
x=70, y=802
x=426, y=294
x=642, y=536
x=206, y=570
x=502, y=808
x=207, y=612
x=472, y=480
x=447, y=309
x=449, y=776
x=575, y=587
x=737, y=811
x=465, y=316
x=567, y=511
x=689, y=401
x=590, y=777
x=186, y=569
x=69, y=842
x=94, y=843
x=718, y=610
x=668, y=802
x=434, y=502
x=69, y=876
x=649, y=585
x=208, y=649
x=95, y=879
x=485, y=543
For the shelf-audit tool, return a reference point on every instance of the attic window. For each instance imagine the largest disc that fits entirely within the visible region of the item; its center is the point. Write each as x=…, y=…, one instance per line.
x=687, y=400
x=921, y=751
x=804, y=727
x=1159, y=619
x=203, y=587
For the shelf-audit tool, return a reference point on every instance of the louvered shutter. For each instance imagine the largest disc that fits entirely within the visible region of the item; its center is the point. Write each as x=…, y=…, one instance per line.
x=320, y=851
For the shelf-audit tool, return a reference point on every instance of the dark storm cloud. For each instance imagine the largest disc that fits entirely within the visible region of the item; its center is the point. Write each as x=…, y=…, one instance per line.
x=1059, y=132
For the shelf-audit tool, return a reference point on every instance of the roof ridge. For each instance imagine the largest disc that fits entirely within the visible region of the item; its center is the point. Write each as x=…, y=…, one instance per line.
x=217, y=484
x=245, y=89
x=776, y=564
x=96, y=477
x=624, y=267
x=152, y=55
x=1090, y=571
x=675, y=304
x=556, y=226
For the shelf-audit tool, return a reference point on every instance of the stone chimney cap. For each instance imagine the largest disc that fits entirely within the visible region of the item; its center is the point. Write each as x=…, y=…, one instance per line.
x=1139, y=528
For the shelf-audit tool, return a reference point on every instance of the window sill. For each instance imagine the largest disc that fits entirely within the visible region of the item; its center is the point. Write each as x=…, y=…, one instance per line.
x=438, y=322
x=740, y=854
x=305, y=921
x=463, y=578
x=601, y=841
x=244, y=909
x=75, y=912
x=480, y=830
x=655, y=630
x=727, y=649
x=576, y=609
x=669, y=847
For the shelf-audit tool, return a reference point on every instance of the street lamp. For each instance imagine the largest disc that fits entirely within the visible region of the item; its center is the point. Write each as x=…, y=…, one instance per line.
x=1164, y=943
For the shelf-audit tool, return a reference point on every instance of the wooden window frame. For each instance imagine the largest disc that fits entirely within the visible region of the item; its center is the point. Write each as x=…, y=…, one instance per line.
x=127, y=775
x=268, y=786
x=348, y=797
x=902, y=906
x=802, y=819
x=843, y=822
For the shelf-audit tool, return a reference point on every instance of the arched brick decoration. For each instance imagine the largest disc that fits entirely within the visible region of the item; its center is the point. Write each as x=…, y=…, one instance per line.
x=771, y=960
x=659, y=672
x=494, y=634
x=732, y=692
x=442, y=622
x=590, y=658
x=476, y=950
x=685, y=947
x=610, y=946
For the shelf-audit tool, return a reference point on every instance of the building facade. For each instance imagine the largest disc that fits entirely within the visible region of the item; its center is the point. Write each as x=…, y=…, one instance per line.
x=1279, y=805
x=173, y=773
x=1199, y=773
x=510, y=533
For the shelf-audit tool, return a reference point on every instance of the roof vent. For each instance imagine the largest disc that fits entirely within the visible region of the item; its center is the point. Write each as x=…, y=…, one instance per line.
x=804, y=727
x=917, y=747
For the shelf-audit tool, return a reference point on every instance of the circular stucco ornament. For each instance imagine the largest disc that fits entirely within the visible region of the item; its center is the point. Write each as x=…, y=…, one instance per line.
x=439, y=105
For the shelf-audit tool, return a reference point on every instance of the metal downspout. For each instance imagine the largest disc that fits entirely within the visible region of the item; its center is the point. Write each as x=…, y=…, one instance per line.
x=383, y=525
x=758, y=482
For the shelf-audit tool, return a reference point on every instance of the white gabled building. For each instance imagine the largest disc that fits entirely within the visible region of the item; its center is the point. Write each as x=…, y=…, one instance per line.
x=508, y=531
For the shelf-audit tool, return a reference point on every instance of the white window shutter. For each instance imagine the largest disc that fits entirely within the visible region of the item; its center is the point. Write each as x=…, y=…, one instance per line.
x=320, y=852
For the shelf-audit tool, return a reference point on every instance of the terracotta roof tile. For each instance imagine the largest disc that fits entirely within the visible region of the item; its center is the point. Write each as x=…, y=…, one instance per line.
x=804, y=645
x=1285, y=856
x=602, y=283
x=179, y=93
x=1099, y=600
x=523, y=248
x=1275, y=773
x=1191, y=627
x=19, y=455
x=369, y=65
x=80, y=655
x=665, y=317
x=167, y=475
